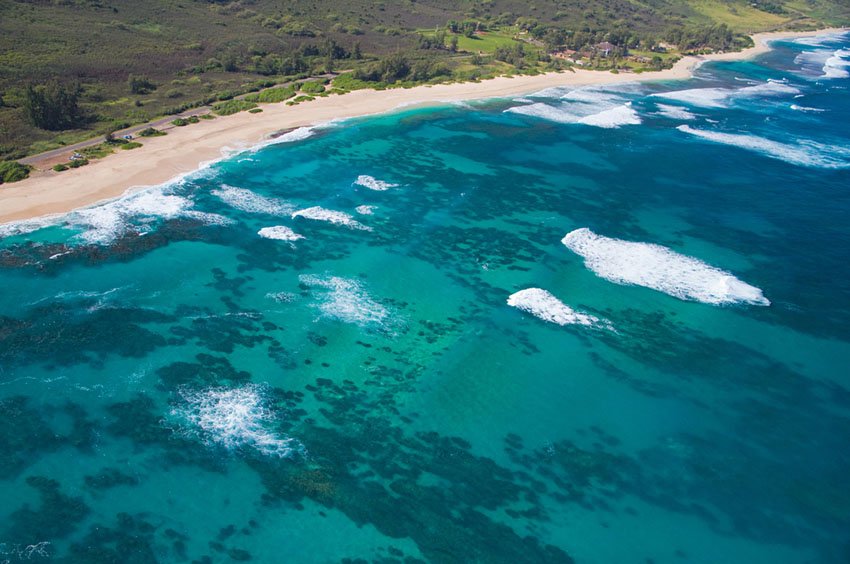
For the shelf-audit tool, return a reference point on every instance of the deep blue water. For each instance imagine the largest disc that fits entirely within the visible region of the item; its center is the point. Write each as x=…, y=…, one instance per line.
x=412, y=366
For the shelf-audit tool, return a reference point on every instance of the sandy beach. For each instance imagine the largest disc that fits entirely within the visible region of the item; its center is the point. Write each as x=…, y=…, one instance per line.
x=185, y=149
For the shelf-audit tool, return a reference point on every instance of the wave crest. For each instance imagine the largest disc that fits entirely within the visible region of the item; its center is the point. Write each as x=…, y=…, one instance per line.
x=659, y=268
x=318, y=213
x=804, y=153
x=545, y=306
x=251, y=202
x=280, y=233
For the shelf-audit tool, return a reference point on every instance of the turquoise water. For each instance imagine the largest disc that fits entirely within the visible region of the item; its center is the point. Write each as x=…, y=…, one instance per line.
x=669, y=384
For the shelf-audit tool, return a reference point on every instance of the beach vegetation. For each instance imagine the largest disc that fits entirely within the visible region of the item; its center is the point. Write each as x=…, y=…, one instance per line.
x=151, y=132
x=131, y=145
x=78, y=163
x=13, y=171
x=60, y=167
x=255, y=110
x=271, y=95
x=231, y=107
x=312, y=87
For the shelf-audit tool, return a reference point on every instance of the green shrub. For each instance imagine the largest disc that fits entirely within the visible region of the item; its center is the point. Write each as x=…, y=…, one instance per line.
x=180, y=122
x=312, y=87
x=231, y=107
x=78, y=163
x=131, y=145
x=193, y=119
x=349, y=82
x=13, y=171
x=255, y=110
x=60, y=167
x=206, y=116
x=271, y=95
x=151, y=132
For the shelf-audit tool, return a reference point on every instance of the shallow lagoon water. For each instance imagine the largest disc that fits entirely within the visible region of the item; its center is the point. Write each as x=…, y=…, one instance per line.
x=183, y=379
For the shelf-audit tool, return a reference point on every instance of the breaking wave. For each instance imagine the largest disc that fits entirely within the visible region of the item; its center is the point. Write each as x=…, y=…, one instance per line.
x=675, y=112
x=837, y=66
x=233, y=418
x=804, y=153
x=608, y=118
x=106, y=222
x=373, y=183
x=661, y=269
x=720, y=97
x=797, y=108
x=279, y=232
x=365, y=210
x=331, y=216
x=251, y=202
x=346, y=300
x=545, y=306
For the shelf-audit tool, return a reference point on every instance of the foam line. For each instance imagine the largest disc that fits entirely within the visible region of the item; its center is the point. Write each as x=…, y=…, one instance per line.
x=251, y=202
x=545, y=306
x=659, y=268
x=373, y=183
x=804, y=153
x=318, y=213
x=280, y=233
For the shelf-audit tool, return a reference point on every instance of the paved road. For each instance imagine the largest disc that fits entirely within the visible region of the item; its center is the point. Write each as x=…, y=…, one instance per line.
x=162, y=123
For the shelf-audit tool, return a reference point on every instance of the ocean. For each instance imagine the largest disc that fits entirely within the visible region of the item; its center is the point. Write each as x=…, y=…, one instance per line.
x=603, y=324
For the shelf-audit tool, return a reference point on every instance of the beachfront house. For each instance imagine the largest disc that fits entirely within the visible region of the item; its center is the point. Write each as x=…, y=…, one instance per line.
x=605, y=48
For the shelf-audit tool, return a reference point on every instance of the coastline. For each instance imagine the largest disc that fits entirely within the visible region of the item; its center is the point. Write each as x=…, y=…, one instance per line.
x=186, y=149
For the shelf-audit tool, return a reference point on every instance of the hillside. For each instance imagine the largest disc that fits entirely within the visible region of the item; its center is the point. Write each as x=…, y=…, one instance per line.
x=128, y=62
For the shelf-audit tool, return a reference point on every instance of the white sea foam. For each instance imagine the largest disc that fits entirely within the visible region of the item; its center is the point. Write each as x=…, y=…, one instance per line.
x=346, y=300
x=547, y=307
x=837, y=66
x=820, y=40
x=373, y=183
x=803, y=153
x=592, y=96
x=234, y=418
x=365, y=210
x=331, y=216
x=659, y=268
x=279, y=232
x=544, y=111
x=251, y=202
x=720, y=97
x=105, y=222
x=282, y=297
x=797, y=108
x=613, y=118
x=702, y=97
x=675, y=112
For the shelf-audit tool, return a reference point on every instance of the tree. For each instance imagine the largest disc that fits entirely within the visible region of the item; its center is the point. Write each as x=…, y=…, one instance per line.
x=52, y=106
x=355, y=51
x=453, y=44
x=140, y=84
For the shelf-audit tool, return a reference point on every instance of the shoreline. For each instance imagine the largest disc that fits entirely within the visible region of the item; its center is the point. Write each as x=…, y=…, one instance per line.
x=187, y=149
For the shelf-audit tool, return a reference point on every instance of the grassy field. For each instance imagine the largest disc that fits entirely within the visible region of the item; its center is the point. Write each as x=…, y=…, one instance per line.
x=197, y=52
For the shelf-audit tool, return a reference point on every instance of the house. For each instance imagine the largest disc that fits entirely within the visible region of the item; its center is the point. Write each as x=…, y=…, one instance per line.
x=564, y=54
x=604, y=49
